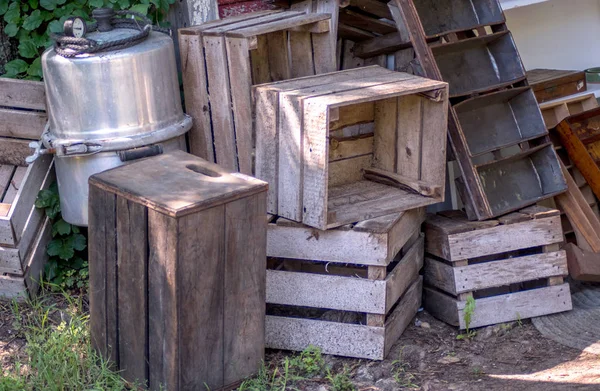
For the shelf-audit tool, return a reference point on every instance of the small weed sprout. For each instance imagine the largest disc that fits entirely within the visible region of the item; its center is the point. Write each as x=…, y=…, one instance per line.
x=467, y=317
x=340, y=381
x=401, y=373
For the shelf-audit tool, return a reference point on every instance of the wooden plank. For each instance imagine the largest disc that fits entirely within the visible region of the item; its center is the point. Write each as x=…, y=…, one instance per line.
x=200, y=259
x=290, y=23
x=249, y=22
x=163, y=302
x=278, y=54
x=583, y=265
x=336, y=245
x=25, y=94
x=132, y=306
x=365, y=22
x=349, y=170
x=267, y=141
x=403, y=315
x=12, y=288
x=351, y=33
x=441, y=306
x=301, y=53
x=22, y=124
x=14, y=151
x=404, y=273
x=245, y=273
x=405, y=229
x=194, y=30
x=220, y=102
x=385, y=156
x=434, y=117
x=37, y=258
x=6, y=173
x=518, y=305
x=373, y=7
x=16, y=182
x=348, y=148
x=352, y=115
x=325, y=44
x=238, y=61
x=326, y=291
x=195, y=89
x=504, y=238
x=440, y=275
x=259, y=58
x=341, y=339
x=426, y=189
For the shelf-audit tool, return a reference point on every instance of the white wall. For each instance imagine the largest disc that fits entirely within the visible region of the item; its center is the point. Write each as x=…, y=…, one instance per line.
x=557, y=34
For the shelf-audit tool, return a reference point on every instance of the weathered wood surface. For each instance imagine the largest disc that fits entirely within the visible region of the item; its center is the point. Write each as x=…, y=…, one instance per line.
x=373, y=242
x=549, y=84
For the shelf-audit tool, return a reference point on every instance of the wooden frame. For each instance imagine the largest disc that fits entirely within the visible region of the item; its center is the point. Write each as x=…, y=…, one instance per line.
x=550, y=84
x=322, y=156
x=437, y=59
x=512, y=267
x=221, y=60
x=555, y=111
x=22, y=109
x=367, y=272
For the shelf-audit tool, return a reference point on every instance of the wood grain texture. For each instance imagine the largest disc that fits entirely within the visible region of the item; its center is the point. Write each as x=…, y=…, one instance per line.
x=14, y=151
x=22, y=124
x=25, y=94
x=244, y=284
x=132, y=305
x=386, y=135
x=404, y=273
x=301, y=54
x=403, y=314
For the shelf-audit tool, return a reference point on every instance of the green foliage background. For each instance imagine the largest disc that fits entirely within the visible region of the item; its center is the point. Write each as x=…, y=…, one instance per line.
x=30, y=22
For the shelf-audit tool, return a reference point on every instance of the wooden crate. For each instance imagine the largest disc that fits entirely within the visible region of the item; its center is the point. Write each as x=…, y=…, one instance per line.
x=177, y=269
x=483, y=67
x=511, y=266
x=326, y=172
x=221, y=60
x=549, y=84
x=554, y=112
x=360, y=295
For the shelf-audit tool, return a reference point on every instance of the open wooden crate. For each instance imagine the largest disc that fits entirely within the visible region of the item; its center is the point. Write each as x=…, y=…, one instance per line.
x=222, y=59
x=327, y=175
x=350, y=291
x=511, y=266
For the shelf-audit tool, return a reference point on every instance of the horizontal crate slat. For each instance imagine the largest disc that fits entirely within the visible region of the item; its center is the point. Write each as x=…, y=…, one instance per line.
x=22, y=124
x=470, y=278
x=24, y=94
x=400, y=279
x=350, y=340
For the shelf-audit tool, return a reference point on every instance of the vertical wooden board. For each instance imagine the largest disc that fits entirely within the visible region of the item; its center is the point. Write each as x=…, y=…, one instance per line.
x=261, y=72
x=241, y=96
x=399, y=280
x=434, y=129
x=316, y=156
x=220, y=102
x=301, y=54
x=385, y=140
x=6, y=173
x=278, y=54
x=200, y=269
x=400, y=234
x=403, y=314
x=267, y=143
x=349, y=61
x=347, y=171
x=410, y=136
x=37, y=257
x=195, y=90
x=438, y=274
x=98, y=214
x=441, y=306
x=112, y=326
x=245, y=284
x=326, y=44
x=163, y=330
x=132, y=263
x=15, y=183
x=291, y=149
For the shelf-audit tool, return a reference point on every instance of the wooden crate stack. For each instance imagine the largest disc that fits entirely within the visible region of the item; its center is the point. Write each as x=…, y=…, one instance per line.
x=349, y=174
x=24, y=229
x=511, y=266
x=221, y=60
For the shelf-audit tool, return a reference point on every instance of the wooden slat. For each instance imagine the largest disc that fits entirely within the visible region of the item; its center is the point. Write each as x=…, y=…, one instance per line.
x=403, y=314
x=373, y=7
x=22, y=124
x=519, y=305
x=24, y=94
x=325, y=44
x=195, y=89
x=238, y=61
x=301, y=54
x=163, y=302
x=245, y=273
x=194, y=30
x=349, y=170
x=200, y=259
x=220, y=102
x=15, y=183
x=384, y=44
x=403, y=275
x=347, y=148
x=6, y=174
x=349, y=32
x=279, y=59
x=250, y=22
x=426, y=189
x=504, y=238
x=366, y=23
x=278, y=25
x=433, y=145
x=406, y=228
x=37, y=258
x=386, y=134
x=132, y=306
x=259, y=58
x=14, y=151
x=352, y=115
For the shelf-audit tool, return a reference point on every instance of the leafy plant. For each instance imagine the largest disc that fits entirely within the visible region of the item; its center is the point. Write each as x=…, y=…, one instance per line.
x=309, y=363
x=340, y=381
x=402, y=376
x=268, y=380
x=30, y=22
x=67, y=267
x=467, y=317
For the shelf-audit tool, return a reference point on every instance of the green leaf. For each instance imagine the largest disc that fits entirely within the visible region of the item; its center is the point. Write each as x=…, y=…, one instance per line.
x=28, y=49
x=96, y=3
x=77, y=263
x=141, y=8
x=3, y=6
x=124, y=4
x=61, y=2
x=48, y=4
x=66, y=250
x=13, y=15
x=55, y=27
x=11, y=29
x=77, y=241
x=34, y=3
x=16, y=67
x=54, y=247
x=33, y=21
x=35, y=69
x=62, y=227
x=44, y=198
x=75, y=229
x=50, y=269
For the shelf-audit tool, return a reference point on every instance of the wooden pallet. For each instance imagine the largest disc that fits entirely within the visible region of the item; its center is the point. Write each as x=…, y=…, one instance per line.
x=326, y=175
x=511, y=266
x=549, y=84
x=360, y=295
x=474, y=51
x=221, y=60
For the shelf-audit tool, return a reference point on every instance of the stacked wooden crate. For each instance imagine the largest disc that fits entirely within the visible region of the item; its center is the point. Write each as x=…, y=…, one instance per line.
x=221, y=60
x=352, y=158
x=24, y=229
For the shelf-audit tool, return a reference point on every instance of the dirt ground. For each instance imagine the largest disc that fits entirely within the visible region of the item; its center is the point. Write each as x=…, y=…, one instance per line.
x=429, y=357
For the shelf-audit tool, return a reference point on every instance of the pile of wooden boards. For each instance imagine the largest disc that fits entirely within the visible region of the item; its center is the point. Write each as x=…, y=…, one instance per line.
x=24, y=230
